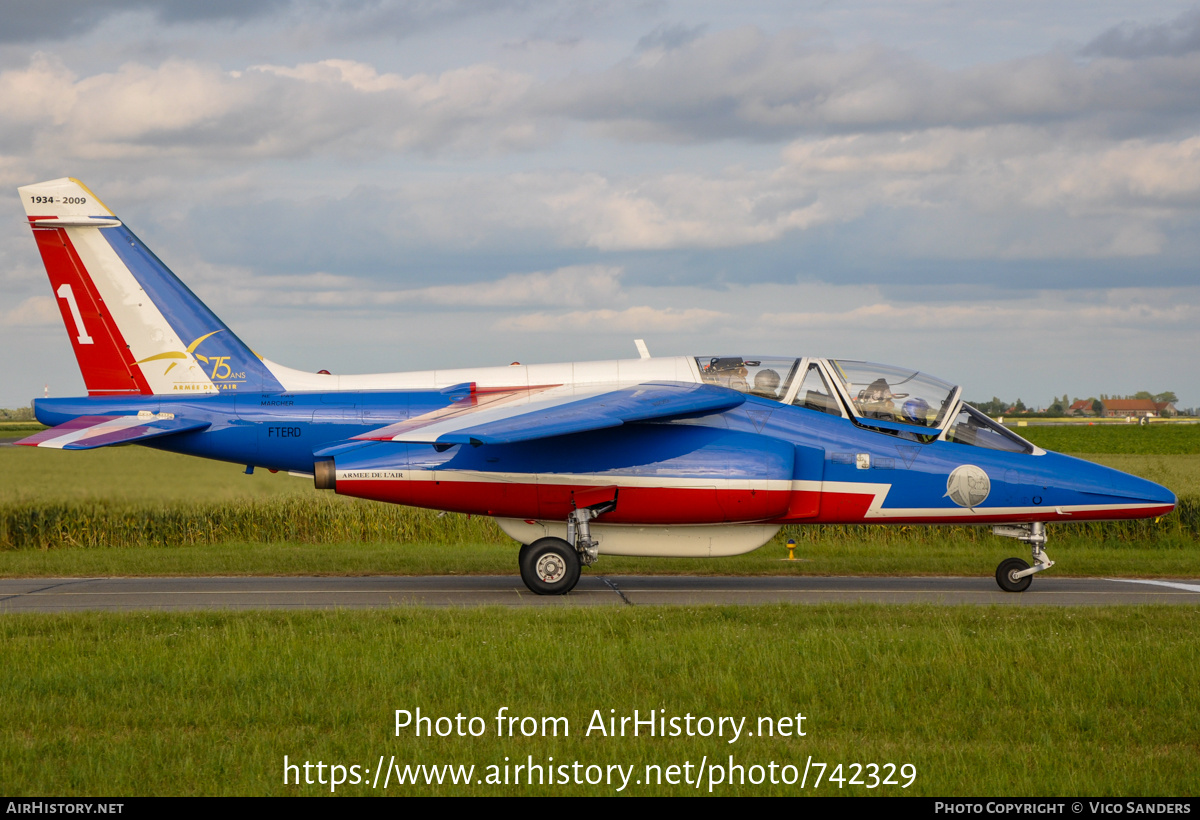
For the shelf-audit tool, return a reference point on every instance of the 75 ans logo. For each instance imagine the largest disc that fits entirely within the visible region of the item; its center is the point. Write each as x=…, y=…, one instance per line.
x=219, y=370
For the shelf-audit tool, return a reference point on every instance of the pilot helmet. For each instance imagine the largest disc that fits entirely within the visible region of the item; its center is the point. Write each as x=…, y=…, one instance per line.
x=766, y=381
x=878, y=390
x=916, y=410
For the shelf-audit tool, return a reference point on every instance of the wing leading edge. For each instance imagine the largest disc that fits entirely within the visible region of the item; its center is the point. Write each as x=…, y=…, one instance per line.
x=525, y=415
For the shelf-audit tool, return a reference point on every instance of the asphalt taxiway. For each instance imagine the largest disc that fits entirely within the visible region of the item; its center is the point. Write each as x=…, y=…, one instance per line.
x=240, y=593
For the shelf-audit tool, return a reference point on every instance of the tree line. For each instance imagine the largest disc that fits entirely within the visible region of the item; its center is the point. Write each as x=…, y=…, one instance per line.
x=1061, y=406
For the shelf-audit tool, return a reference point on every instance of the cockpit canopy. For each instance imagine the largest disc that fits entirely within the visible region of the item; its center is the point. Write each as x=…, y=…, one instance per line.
x=881, y=391
x=910, y=404
x=765, y=376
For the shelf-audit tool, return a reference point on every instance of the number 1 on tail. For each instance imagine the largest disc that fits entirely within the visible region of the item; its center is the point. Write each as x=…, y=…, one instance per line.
x=65, y=292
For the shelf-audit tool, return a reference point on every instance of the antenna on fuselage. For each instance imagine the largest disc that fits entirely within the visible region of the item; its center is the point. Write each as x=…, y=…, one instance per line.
x=643, y=351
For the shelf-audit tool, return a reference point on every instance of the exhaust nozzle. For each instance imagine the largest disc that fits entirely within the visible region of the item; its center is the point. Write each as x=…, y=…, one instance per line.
x=325, y=475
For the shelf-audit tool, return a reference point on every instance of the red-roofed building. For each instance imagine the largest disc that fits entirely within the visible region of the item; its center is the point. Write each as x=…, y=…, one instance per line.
x=1081, y=407
x=1118, y=408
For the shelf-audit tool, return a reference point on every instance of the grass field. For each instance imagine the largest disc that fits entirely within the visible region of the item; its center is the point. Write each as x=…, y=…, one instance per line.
x=1153, y=439
x=19, y=428
x=1105, y=701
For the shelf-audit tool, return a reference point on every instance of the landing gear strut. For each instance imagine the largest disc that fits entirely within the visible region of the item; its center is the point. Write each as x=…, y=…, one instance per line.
x=1013, y=574
x=551, y=566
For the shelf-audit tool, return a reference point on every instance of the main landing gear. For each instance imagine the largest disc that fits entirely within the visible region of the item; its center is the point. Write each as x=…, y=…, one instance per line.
x=551, y=566
x=1013, y=574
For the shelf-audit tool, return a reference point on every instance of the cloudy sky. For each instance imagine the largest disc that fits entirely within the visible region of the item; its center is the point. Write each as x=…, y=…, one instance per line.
x=1004, y=195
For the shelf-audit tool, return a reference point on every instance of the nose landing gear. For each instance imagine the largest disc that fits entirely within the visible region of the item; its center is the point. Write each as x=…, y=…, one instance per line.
x=1013, y=574
x=551, y=566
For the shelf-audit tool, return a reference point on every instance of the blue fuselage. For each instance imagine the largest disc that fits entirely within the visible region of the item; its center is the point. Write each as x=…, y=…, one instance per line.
x=762, y=461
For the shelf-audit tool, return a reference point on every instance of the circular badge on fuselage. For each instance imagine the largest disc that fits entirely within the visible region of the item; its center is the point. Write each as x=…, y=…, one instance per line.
x=968, y=486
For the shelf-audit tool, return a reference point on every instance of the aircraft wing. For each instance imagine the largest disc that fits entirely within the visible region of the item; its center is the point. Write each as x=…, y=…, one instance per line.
x=505, y=417
x=90, y=432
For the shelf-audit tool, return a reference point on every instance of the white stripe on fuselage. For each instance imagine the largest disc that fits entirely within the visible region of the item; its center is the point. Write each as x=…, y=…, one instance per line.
x=587, y=480
x=877, y=511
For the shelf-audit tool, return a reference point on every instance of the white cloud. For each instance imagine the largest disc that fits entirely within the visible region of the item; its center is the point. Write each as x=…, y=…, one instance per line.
x=742, y=83
x=572, y=286
x=676, y=210
x=993, y=182
x=1012, y=192
x=42, y=93
x=34, y=311
x=187, y=108
x=751, y=84
x=641, y=319
x=1009, y=192
x=358, y=76
x=885, y=318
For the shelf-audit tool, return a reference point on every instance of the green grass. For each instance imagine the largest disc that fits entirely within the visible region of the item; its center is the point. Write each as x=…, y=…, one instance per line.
x=1152, y=439
x=19, y=429
x=1162, y=550
x=1105, y=699
x=133, y=474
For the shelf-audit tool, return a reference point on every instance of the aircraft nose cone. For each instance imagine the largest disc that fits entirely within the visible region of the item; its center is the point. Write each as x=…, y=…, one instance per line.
x=1141, y=490
x=1156, y=493
x=1098, y=481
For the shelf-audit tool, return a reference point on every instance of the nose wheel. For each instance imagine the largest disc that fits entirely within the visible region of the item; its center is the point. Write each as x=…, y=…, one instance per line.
x=1013, y=574
x=1009, y=578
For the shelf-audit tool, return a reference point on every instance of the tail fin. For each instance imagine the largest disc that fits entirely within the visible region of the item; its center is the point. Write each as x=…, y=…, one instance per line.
x=134, y=326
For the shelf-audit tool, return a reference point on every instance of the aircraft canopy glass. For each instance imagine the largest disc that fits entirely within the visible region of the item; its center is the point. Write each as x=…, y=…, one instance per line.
x=888, y=393
x=974, y=428
x=765, y=376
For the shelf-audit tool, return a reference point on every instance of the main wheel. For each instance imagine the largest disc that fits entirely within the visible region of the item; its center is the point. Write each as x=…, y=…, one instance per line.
x=1004, y=575
x=549, y=566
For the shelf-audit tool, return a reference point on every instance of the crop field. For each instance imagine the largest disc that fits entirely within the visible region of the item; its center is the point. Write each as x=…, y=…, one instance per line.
x=1133, y=439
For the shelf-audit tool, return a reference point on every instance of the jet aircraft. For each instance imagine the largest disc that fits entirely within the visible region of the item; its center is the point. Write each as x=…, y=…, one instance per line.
x=659, y=456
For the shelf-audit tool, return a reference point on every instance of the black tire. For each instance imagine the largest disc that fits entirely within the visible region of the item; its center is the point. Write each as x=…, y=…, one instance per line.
x=1004, y=575
x=549, y=566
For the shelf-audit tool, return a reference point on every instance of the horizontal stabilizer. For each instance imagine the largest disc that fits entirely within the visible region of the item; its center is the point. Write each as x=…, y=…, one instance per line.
x=75, y=222
x=90, y=432
x=525, y=415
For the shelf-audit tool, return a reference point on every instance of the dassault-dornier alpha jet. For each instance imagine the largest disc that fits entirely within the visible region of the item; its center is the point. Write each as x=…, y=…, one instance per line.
x=678, y=456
